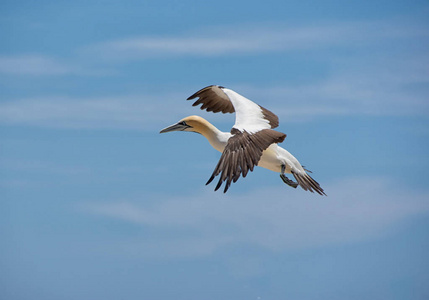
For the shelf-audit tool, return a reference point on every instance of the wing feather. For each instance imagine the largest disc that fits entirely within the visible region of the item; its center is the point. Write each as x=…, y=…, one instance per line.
x=216, y=98
x=242, y=153
x=213, y=99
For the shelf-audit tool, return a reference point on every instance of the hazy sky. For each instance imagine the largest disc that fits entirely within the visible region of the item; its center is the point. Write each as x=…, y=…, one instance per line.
x=96, y=204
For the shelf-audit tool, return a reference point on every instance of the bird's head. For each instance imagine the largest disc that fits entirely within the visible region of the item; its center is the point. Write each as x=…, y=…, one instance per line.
x=191, y=123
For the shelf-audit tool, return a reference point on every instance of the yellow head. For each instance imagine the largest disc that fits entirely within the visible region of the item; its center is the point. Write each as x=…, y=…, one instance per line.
x=191, y=124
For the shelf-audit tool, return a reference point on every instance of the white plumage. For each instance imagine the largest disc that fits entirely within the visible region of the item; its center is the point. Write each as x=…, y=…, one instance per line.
x=248, y=115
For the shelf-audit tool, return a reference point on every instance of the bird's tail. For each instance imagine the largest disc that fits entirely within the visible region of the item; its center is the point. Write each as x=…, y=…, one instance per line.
x=308, y=183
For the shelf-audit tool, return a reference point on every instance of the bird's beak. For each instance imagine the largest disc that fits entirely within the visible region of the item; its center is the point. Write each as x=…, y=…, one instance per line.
x=174, y=127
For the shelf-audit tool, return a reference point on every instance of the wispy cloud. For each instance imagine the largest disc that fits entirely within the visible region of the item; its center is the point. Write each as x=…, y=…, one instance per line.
x=132, y=112
x=368, y=91
x=348, y=94
x=355, y=210
x=33, y=65
x=42, y=65
x=253, y=39
x=382, y=82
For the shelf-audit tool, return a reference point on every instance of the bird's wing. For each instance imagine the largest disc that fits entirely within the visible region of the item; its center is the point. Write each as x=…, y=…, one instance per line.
x=213, y=99
x=242, y=153
x=249, y=115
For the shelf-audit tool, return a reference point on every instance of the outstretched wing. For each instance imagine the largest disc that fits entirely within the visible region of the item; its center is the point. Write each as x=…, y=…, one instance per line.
x=213, y=99
x=242, y=153
x=249, y=115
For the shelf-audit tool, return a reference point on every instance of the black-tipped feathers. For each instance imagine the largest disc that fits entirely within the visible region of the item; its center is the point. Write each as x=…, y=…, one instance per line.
x=242, y=153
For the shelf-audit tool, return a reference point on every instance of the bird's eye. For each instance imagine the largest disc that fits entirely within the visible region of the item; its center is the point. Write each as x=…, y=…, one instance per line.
x=183, y=123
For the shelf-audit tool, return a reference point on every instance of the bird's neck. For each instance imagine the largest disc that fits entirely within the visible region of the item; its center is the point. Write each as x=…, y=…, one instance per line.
x=216, y=138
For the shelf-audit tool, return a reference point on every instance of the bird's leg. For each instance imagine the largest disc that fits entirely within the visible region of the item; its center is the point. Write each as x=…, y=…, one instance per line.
x=287, y=180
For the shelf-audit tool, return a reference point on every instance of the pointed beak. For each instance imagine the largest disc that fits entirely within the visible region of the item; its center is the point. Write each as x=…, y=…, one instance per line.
x=174, y=127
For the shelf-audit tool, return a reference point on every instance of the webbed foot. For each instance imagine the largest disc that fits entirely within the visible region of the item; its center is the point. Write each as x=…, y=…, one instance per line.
x=288, y=181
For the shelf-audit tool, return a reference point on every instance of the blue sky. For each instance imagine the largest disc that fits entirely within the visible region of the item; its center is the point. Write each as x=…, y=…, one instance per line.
x=96, y=204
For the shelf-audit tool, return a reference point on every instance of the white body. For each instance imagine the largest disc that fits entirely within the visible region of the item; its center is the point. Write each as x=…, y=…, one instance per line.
x=272, y=158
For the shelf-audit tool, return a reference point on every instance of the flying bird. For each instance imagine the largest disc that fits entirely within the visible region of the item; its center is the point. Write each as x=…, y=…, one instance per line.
x=251, y=142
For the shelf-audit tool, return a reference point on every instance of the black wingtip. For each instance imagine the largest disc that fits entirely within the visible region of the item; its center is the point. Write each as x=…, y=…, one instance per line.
x=210, y=180
x=227, y=184
x=218, y=184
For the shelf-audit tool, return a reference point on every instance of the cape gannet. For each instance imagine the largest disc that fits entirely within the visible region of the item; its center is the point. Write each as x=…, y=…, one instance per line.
x=251, y=142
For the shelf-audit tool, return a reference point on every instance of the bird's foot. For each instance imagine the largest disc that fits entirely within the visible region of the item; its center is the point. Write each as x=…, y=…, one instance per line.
x=288, y=181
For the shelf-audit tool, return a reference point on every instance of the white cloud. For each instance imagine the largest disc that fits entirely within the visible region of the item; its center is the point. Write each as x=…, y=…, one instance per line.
x=33, y=65
x=143, y=112
x=42, y=65
x=369, y=83
x=254, y=39
x=347, y=94
x=355, y=92
x=276, y=219
x=142, y=47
